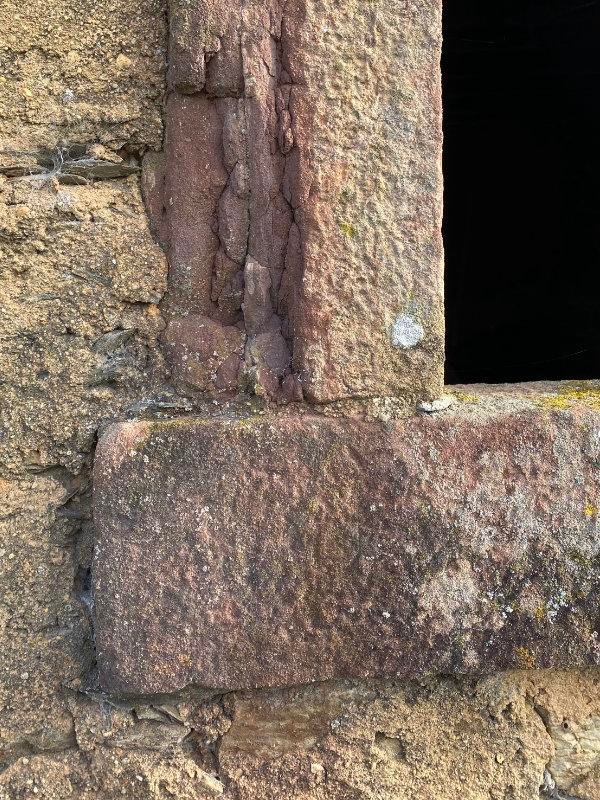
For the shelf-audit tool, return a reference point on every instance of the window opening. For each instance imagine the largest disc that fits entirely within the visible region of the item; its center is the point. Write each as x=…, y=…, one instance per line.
x=522, y=189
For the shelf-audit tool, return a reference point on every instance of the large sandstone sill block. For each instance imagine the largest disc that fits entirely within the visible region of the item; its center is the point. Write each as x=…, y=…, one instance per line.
x=282, y=550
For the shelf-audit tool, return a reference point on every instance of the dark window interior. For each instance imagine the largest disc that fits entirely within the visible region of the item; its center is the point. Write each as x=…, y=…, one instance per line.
x=521, y=86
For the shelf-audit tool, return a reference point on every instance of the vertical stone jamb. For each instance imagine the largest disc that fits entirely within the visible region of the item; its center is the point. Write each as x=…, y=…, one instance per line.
x=302, y=204
x=367, y=197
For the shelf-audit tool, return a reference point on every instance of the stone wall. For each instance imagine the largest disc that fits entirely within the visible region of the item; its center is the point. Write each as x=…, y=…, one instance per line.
x=83, y=278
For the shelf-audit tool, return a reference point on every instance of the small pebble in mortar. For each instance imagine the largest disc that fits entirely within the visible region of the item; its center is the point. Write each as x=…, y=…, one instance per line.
x=406, y=332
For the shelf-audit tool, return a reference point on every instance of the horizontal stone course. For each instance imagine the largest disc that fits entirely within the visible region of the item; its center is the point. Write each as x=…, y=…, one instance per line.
x=278, y=549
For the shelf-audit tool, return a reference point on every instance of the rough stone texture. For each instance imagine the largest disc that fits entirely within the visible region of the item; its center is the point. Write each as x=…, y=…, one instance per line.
x=501, y=737
x=223, y=210
x=79, y=325
x=387, y=741
x=366, y=121
x=81, y=277
x=286, y=549
x=85, y=72
x=303, y=139
x=81, y=96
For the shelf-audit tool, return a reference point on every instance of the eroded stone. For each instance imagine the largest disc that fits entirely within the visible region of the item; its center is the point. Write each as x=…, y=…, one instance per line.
x=305, y=137
x=283, y=550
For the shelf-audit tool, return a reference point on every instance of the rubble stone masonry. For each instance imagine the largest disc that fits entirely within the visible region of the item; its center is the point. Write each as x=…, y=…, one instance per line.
x=250, y=547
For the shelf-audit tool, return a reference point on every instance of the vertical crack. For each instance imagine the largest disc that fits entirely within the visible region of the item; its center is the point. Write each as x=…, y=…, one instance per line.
x=270, y=139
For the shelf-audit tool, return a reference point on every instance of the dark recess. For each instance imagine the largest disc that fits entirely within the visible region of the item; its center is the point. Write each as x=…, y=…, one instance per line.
x=522, y=189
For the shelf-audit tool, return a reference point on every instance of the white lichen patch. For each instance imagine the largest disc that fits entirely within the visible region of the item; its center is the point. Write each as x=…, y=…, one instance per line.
x=448, y=595
x=406, y=332
x=434, y=406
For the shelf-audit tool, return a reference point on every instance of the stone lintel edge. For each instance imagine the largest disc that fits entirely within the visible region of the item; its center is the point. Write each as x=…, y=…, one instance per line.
x=284, y=548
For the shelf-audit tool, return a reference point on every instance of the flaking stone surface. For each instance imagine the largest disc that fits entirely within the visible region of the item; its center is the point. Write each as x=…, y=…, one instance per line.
x=306, y=147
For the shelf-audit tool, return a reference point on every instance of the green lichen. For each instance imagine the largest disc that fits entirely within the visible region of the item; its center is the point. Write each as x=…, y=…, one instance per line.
x=572, y=394
x=348, y=229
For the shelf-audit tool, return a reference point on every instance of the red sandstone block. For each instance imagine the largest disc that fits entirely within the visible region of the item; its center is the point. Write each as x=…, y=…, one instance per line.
x=281, y=550
x=306, y=138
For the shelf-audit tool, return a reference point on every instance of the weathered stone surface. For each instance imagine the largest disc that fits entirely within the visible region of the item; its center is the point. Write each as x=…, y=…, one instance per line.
x=79, y=325
x=224, y=208
x=83, y=72
x=365, y=183
x=81, y=283
x=381, y=740
x=204, y=353
x=305, y=138
x=81, y=277
x=281, y=550
x=194, y=181
x=446, y=738
x=513, y=735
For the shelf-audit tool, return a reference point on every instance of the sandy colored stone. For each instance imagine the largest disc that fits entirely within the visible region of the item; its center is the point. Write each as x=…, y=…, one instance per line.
x=85, y=72
x=589, y=787
x=350, y=740
x=44, y=634
x=109, y=774
x=365, y=184
x=80, y=95
x=570, y=709
x=79, y=264
x=383, y=741
x=79, y=335
x=286, y=549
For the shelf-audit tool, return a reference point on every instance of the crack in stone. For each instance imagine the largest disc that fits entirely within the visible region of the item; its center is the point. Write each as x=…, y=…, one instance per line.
x=228, y=222
x=70, y=164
